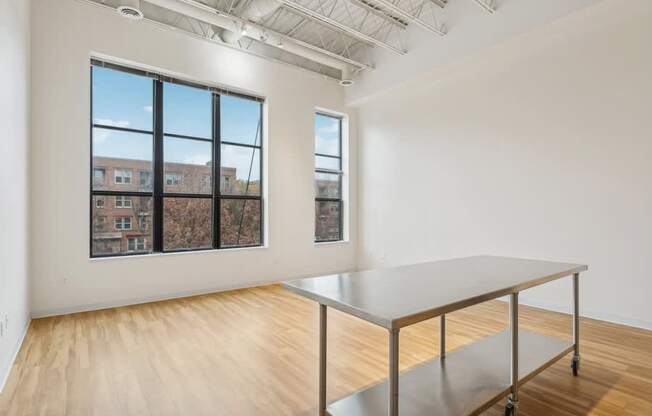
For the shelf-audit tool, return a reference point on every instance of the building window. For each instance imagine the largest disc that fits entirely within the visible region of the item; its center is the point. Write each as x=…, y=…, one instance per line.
x=122, y=176
x=136, y=244
x=143, y=222
x=328, y=178
x=197, y=154
x=172, y=179
x=100, y=222
x=98, y=176
x=145, y=178
x=122, y=223
x=123, y=201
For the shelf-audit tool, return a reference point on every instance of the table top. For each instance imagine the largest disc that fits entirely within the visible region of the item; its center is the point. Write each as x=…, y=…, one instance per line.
x=402, y=296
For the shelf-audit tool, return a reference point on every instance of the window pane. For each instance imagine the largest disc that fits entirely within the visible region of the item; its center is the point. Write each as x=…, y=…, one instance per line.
x=187, y=223
x=188, y=166
x=121, y=99
x=327, y=185
x=327, y=135
x=240, y=120
x=327, y=220
x=240, y=170
x=118, y=157
x=187, y=111
x=322, y=162
x=113, y=227
x=240, y=222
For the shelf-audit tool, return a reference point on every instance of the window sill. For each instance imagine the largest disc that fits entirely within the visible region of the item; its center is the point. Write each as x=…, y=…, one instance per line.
x=330, y=243
x=176, y=253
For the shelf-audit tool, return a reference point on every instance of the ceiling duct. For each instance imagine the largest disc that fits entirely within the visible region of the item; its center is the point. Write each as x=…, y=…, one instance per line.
x=257, y=32
x=253, y=11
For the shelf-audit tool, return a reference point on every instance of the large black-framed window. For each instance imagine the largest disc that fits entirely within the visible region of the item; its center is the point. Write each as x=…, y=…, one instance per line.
x=175, y=166
x=329, y=175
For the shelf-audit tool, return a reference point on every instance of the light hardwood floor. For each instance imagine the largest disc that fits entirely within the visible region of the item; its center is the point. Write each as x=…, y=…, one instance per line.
x=254, y=352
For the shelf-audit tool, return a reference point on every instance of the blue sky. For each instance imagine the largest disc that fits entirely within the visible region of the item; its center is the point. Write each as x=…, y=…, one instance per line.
x=125, y=100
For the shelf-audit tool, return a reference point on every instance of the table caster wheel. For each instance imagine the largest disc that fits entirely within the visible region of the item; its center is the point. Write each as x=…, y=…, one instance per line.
x=575, y=365
x=509, y=409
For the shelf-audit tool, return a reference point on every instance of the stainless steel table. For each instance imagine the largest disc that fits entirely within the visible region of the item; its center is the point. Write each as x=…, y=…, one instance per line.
x=465, y=381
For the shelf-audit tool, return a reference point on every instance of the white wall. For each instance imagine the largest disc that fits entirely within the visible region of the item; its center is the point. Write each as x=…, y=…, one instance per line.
x=14, y=145
x=540, y=147
x=65, y=35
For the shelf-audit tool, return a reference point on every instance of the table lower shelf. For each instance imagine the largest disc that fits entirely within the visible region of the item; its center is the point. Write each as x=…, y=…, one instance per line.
x=468, y=381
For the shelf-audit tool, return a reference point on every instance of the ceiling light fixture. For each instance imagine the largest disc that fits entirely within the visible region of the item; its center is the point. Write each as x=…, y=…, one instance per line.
x=130, y=9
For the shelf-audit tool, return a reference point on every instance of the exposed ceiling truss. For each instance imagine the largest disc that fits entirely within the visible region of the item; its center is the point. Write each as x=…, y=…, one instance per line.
x=333, y=37
x=488, y=5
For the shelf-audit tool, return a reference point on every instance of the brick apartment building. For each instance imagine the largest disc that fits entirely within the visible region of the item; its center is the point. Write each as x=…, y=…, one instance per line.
x=123, y=223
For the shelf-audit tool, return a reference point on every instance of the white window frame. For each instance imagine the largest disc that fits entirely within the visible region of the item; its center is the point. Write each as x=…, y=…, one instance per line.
x=175, y=178
x=345, y=156
x=123, y=174
x=136, y=241
x=126, y=201
x=122, y=221
x=95, y=178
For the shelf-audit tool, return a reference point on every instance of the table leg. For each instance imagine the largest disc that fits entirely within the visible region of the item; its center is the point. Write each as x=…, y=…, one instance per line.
x=393, y=372
x=575, y=364
x=322, y=359
x=442, y=337
x=512, y=401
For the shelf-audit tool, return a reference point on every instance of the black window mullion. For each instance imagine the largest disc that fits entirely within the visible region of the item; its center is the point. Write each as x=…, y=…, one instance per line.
x=125, y=129
x=260, y=170
x=91, y=202
x=341, y=213
x=181, y=136
x=217, y=171
x=253, y=146
x=157, y=220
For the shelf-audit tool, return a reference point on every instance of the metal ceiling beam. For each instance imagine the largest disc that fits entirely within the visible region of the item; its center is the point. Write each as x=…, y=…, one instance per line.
x=488, y=5
x=410, y=17
x=377, y=11
x=219, y=18
x=320, y=18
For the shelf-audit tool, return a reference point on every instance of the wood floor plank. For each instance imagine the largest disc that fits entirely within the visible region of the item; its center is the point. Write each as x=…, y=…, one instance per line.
x=254, y=352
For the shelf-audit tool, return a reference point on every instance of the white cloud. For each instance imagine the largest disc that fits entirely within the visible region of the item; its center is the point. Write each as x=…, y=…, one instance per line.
x=112, y=123
x=100, y=135
x=148, y=109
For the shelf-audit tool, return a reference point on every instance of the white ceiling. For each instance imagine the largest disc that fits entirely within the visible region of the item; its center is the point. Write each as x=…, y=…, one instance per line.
x=469, y=31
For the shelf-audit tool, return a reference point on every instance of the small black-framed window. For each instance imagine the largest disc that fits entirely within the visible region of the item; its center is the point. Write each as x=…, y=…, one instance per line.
x=180, y=163
x=329, y=175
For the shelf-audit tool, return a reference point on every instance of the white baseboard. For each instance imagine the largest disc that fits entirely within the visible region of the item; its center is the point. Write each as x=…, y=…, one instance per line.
x=601, y=316
x=4, y=372
x=44, y=313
